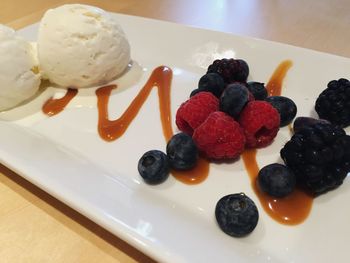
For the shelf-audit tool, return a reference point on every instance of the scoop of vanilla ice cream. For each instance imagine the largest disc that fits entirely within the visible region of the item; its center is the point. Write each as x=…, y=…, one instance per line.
x=81, y=46
x=19, y=79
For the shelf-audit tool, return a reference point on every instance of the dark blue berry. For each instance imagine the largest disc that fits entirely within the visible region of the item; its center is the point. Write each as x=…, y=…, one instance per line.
x=153, y=167
x=303, y=122
x=236, y=214
x=285, y=107
x=194, y=92
x=257, y=89
x=233, y=99
x=276, y=180
x=182, y=152
x=212, y=82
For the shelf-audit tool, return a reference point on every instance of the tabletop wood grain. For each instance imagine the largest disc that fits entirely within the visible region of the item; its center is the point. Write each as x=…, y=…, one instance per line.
x=34, y=226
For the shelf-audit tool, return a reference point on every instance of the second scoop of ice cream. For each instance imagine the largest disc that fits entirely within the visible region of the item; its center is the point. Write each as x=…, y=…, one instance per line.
x=19, y=80
x=81, y=46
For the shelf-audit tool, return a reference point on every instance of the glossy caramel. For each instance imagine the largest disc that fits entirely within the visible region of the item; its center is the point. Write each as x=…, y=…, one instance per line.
x=196, y=175
x=54, y=106
x=291, y=210
x=274, y=86
x=111, y=130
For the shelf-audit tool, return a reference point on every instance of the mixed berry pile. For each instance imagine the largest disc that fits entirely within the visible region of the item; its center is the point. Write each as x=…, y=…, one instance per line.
x=226, y=115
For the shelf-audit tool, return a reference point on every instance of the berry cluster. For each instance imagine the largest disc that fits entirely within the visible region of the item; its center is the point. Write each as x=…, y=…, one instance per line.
x=317, y=157
x=227, y=114
x=222, y=117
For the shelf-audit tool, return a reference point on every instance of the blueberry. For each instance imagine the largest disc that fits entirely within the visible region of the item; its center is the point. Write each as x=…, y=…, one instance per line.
x=153, y=167
x=303, y=122
x=194, y=92
x=285, y=107
x=257, y=89
x=236, y=214
x=182, y=152
x=276, y=180
x=233, y=99
x=212, y=82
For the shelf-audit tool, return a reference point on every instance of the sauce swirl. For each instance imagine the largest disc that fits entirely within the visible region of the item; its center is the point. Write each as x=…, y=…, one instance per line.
x=111, y=130
x=274, y=86
x=54, y=106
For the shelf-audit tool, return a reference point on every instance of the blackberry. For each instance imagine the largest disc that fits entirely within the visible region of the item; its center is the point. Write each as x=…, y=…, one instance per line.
x=230, y=70
x=319, y=156
x=303, y=122
x=333, y=104
x=236, y=214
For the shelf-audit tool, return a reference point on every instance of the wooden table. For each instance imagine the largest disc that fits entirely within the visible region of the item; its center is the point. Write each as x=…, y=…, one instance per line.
x=35, y=227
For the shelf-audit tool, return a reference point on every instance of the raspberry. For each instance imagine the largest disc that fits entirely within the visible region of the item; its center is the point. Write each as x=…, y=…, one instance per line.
x=194, y=111
x=333, y=104
x=319, y=155
x=219, y=137
x=230, y=70
x=260, y=122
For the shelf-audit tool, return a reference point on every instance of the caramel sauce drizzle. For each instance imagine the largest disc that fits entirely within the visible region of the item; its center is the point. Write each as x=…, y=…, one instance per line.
x=290, y=210
x=274, y=86
x=294, y=208
x=54, y=106
x=110, y=130
x=196, y=175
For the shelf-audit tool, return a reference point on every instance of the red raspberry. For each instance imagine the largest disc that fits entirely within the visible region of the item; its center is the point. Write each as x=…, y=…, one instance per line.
x=194, y=111
x=220, y=137
x=260, y=122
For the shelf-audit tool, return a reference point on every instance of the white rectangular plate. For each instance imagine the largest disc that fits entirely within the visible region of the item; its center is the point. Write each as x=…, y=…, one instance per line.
x=174, y=222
